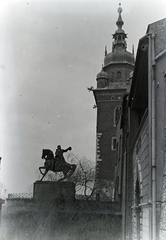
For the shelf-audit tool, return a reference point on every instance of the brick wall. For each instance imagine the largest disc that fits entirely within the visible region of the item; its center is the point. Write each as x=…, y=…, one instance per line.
x=107, y=101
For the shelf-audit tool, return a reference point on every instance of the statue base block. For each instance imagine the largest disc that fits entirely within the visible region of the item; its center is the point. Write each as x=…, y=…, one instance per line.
x=47, y=191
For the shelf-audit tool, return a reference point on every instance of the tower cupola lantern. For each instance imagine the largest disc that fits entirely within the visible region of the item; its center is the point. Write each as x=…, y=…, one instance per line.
x=119, y=36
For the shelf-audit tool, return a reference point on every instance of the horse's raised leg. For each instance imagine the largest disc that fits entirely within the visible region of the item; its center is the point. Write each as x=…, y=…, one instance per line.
x=44, y=174
x=40, y=169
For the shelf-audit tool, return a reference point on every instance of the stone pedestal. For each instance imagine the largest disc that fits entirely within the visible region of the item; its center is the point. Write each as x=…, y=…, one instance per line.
x=48, y=191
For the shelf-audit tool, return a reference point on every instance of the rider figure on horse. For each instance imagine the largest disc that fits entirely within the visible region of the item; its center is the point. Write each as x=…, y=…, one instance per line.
x=59, y=155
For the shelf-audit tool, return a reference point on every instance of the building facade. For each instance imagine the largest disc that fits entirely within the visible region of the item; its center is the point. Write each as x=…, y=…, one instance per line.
x=111, y=86
x=140, y=170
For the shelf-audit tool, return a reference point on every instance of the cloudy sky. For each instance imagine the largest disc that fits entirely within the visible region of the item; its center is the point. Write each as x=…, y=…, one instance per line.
x=50, y=52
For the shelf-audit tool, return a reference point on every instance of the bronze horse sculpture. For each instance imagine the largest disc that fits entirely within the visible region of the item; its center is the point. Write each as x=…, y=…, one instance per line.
x=53, y=164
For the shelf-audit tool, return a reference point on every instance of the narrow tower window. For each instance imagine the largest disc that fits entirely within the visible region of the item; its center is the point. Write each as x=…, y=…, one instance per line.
x=113, y=144
x=118, y=74
x=117, y=112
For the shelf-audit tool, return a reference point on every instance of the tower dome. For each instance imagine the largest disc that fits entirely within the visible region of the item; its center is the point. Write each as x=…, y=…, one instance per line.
x=119, y=56
x=102, y=79
x=102, y=74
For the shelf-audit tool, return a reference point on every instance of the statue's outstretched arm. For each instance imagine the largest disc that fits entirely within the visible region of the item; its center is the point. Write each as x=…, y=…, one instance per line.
x=67, y=149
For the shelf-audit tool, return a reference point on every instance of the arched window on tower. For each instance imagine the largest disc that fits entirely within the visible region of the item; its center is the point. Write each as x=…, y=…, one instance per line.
x=119, y=38
x=113, y=76
x=118, y=74
x=117, y=112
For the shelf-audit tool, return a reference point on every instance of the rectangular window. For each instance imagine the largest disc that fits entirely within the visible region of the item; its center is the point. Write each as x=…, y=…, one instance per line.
x=119, y=97
x=116, y=98
x=113, y=144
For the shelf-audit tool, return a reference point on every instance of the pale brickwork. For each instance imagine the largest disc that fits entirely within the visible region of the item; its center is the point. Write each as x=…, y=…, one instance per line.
x=141, y=208
x=162, y=229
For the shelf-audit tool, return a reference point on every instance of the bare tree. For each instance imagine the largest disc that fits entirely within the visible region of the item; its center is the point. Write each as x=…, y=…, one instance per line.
x=86, y=184
x=84, y=176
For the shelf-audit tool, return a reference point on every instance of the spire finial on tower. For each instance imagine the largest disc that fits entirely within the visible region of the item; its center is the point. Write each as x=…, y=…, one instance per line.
x=120, y=9
x=119, y=22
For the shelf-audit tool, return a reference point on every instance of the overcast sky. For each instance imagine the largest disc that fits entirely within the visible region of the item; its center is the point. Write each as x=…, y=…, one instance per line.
x=50, y=52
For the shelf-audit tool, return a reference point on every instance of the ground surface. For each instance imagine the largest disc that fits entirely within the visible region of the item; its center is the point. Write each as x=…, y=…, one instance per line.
x=27, y=221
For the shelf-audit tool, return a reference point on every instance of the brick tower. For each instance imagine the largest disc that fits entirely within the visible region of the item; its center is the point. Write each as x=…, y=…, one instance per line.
x=111, y=86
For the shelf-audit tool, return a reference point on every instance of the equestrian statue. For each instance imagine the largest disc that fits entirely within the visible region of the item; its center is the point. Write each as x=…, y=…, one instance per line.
x=56, y=163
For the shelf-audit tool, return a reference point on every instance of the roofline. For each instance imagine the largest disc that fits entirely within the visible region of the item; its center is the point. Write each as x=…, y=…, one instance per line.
x=135, y=73
x=114, y=63
x=148, y=28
